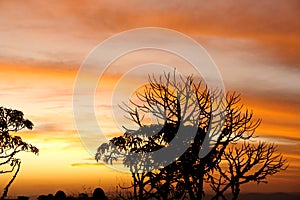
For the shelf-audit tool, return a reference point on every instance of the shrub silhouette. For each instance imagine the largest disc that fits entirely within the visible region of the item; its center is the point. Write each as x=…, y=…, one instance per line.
x=60, y=195
x=181, y=106
x=99, y=194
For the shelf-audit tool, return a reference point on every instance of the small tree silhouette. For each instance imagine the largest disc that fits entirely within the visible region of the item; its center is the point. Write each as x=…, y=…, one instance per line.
x=182, y=106
x=249, y=162
x=12, y=121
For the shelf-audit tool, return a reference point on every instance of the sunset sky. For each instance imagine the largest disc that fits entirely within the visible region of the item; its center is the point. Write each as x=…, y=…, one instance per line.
x=43, y=44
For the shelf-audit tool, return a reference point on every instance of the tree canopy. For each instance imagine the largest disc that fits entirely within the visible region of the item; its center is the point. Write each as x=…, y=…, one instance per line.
x=10, y=145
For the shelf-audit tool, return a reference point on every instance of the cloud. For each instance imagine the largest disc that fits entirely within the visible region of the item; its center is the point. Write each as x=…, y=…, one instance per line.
x=87, y=164
x=280, y=140
x=65, y=31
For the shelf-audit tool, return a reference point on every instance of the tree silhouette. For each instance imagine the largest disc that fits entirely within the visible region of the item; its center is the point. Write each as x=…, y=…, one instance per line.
x=10, y=146
x=249, y=162
x=183, y=106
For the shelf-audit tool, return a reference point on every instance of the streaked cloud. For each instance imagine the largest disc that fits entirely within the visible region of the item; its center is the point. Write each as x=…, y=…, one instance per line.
x=78, y=26
x=87, y=164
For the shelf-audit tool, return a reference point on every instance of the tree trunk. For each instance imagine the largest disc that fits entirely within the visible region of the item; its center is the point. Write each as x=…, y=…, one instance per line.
x=200, y=188
x=236, y=192
x=141, y=186
x=200, y=191
x=134, y=186
x=5, y=191
x=188, y=185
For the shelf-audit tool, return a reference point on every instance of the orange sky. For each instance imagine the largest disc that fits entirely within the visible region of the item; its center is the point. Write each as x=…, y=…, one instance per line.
x=43, y=43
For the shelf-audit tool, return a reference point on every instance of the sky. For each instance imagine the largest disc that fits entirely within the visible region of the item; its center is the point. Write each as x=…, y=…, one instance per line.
x=43, y=44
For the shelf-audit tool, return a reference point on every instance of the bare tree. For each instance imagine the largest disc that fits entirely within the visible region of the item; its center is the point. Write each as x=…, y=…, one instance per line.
x=243, y=164
x=181, y=106
x=10, y=146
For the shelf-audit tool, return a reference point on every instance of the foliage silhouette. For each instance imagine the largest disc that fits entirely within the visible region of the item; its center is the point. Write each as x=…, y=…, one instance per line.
x=12, y=121
x=182, y=106
x=60, y=195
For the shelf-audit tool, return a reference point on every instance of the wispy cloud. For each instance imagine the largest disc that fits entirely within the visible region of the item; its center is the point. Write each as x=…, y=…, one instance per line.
x=87, y=164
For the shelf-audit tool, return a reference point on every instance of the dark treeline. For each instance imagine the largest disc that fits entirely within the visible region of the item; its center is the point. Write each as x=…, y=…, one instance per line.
x=98, y=194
